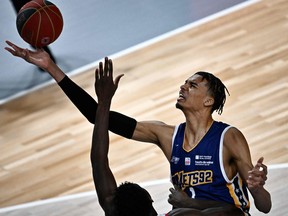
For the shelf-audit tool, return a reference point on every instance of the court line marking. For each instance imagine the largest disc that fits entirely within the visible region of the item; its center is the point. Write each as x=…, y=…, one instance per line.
x=137, y=47
x=93, y=193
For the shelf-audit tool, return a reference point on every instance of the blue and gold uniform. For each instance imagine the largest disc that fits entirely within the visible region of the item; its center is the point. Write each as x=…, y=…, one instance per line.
x=200, y=171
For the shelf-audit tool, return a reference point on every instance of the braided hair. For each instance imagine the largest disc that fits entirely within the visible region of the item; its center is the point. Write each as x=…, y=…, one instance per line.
x=216, y=89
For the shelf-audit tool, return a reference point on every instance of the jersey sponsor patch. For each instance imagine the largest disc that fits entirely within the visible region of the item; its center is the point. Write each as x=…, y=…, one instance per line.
x=187, y=161
x=175, y=160
x=203, y=160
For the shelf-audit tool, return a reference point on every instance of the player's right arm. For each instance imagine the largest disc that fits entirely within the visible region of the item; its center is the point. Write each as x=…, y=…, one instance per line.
x=154, y=131
x=40, y=58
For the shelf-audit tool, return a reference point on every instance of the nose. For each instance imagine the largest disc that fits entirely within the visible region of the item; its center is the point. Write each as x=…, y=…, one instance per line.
x=183, y=86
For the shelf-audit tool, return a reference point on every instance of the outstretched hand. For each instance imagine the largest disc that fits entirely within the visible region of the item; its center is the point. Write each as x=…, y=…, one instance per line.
x=177, y=197
x=257, y=176
x=105, y=86
x=39, y=57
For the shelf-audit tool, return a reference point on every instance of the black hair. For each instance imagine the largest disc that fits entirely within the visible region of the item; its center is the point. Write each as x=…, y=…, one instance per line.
x=132, y=200
x=216, y=89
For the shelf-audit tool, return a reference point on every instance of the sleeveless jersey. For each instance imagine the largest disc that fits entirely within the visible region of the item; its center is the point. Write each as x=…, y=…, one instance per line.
x=200, y=171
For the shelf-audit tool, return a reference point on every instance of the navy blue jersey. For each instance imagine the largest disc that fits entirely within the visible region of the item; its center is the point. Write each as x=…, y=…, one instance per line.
x=200, y=171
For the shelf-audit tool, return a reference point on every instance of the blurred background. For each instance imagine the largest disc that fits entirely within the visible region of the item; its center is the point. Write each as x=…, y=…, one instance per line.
x=95, y=29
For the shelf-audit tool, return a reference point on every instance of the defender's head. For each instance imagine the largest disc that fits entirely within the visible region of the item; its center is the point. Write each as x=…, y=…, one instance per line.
x=130, y=199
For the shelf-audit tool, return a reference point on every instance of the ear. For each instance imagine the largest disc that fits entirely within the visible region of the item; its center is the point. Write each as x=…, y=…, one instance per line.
x=209, y=101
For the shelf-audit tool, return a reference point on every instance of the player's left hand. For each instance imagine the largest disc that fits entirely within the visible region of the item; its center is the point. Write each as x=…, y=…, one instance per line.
x=257, y=176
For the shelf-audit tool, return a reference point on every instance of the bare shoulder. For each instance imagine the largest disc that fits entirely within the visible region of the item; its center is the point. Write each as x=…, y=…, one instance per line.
x=235, y=145
x=234, y=135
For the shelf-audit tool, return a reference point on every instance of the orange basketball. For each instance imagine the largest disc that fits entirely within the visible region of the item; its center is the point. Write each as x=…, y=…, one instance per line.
x=39, y=23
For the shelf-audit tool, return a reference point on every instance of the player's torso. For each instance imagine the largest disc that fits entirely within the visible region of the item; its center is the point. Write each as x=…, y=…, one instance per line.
x=200, y=171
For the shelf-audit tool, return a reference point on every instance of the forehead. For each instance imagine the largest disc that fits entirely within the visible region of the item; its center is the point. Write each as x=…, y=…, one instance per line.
x=197, y=79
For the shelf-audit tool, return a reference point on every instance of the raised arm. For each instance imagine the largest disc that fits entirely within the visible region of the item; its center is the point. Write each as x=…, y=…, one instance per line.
x=104, y=180
x=39, y=58
x=118, y=123
x=150, y=131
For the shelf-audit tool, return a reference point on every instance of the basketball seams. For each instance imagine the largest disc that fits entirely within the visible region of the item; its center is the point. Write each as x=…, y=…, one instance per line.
x=51, y=23
x=26, y=23
x=39, y=25
x=40, y=22
x=57, y=12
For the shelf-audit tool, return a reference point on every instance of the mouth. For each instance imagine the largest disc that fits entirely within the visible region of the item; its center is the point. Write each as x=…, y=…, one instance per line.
x=180, y=97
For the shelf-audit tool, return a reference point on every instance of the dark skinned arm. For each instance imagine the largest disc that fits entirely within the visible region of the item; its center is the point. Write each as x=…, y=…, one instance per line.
x=104, y=180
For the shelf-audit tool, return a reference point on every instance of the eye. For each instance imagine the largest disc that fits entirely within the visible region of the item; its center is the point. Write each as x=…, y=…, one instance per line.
x=192, y=85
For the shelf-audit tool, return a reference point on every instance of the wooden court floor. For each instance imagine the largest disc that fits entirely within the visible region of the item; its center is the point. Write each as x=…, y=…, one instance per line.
x=45, y=141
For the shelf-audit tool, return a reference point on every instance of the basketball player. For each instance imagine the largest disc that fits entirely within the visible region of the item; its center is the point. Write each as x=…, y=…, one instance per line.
x=18, y=4
x=129, y=198
x=209, y=160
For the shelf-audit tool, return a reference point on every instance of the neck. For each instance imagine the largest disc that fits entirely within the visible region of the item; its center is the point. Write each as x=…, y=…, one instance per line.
x=196, y=128
x=198, y=122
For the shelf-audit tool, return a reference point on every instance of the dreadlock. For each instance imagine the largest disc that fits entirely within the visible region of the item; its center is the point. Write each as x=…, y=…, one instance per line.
x=216, y=89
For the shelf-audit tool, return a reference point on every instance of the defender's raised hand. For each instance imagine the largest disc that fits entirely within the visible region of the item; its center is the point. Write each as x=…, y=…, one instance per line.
x=105, y=86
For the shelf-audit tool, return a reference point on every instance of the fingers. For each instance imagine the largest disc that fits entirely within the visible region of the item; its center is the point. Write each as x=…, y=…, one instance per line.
x=10, y=43
x=17, y=51
x=117, y=79
x=171, y=190
x=96, y=74
x=260, y=160
x=260, y=166
x=110, y=64
x=177, y=187
x=259, y=163
x=106, y=70
x=101, y=73
x=106, y=66
x=256, y=178
x=265, y=170
x=14, y=46
x=12, y=51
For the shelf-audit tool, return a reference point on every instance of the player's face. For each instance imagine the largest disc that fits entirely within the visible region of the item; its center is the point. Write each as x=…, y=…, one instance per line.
x=192, y=93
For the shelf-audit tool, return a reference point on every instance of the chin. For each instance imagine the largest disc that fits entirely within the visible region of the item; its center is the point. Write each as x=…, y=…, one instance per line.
x=178, y=106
